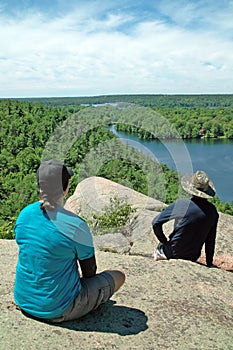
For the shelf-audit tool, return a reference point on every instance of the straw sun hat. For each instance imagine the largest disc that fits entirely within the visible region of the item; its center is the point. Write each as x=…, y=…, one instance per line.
x=198, y=184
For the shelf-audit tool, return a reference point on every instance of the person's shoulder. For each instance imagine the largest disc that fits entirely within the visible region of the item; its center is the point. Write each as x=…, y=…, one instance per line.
x=30, y=207
x=28, y=211
x=179, y=206
x=183, y=201
x=206, y=204
x=182, y=205
x=72, y=226
x=69, y=214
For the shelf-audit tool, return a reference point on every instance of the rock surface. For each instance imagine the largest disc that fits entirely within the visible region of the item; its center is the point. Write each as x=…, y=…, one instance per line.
x=93, y=194
x=175, y=305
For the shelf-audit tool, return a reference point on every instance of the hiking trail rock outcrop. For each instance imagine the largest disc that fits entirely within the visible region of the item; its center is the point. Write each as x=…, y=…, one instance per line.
x=175, y=304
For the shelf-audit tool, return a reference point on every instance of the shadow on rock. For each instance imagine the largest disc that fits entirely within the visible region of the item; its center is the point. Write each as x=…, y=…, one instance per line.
x=110, y=318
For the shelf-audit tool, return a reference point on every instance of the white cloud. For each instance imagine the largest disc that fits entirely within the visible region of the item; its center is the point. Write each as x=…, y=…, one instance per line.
x=82, y=53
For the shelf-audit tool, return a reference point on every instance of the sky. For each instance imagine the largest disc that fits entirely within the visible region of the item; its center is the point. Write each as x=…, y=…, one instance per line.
x=101, y=47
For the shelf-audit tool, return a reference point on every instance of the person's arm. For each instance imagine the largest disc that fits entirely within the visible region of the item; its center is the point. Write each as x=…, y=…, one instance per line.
x=85, y=250
x=158, y=231
x=88, y=267
x=210, y=245
x=158, y=222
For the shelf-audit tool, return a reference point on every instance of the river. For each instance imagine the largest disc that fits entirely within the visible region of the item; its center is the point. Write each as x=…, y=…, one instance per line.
x=215, y=157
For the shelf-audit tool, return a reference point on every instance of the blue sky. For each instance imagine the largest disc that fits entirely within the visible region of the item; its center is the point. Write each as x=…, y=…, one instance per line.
x=96, y=47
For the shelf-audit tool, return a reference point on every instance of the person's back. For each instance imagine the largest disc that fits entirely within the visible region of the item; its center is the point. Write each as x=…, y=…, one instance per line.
x=53, y=243
x=195, y=224
x=47, y=265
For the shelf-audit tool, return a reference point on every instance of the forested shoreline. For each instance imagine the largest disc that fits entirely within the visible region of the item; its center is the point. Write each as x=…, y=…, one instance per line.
x=27, y=126
x=193, y=116
x=191, y=123
x=207, y=101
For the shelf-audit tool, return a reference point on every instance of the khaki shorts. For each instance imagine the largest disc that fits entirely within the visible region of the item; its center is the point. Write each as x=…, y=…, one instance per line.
x=95, y=291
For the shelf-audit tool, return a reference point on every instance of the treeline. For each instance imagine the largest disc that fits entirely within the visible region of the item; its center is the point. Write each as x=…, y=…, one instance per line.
x=189, y=123
x=200, y=122
x=210, y=101
x=30, y=132
x=192, y=116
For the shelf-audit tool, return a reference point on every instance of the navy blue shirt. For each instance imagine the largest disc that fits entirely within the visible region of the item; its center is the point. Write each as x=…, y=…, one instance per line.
x=195, y=225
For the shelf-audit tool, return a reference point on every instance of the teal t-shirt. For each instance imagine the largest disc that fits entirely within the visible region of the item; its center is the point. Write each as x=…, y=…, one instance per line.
x=47, y=277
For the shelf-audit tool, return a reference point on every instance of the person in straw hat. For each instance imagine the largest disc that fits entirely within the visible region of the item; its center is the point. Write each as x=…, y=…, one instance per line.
x=195, y=222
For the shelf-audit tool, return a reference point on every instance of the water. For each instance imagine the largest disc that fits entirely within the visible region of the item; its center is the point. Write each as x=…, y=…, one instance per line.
x=215, y=157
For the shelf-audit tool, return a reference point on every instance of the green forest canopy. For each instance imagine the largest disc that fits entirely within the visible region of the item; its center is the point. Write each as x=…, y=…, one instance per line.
x=193, y=116
x=27, y=128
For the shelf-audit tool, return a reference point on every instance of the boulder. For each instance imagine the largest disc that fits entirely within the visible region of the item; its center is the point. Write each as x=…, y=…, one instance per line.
x=93, y=194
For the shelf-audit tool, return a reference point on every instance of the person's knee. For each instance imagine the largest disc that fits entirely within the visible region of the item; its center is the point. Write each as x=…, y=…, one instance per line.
x=118, y=277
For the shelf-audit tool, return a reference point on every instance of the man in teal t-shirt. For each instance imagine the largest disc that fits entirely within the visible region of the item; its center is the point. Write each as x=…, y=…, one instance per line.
x=47, y=276
x=53, y=243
